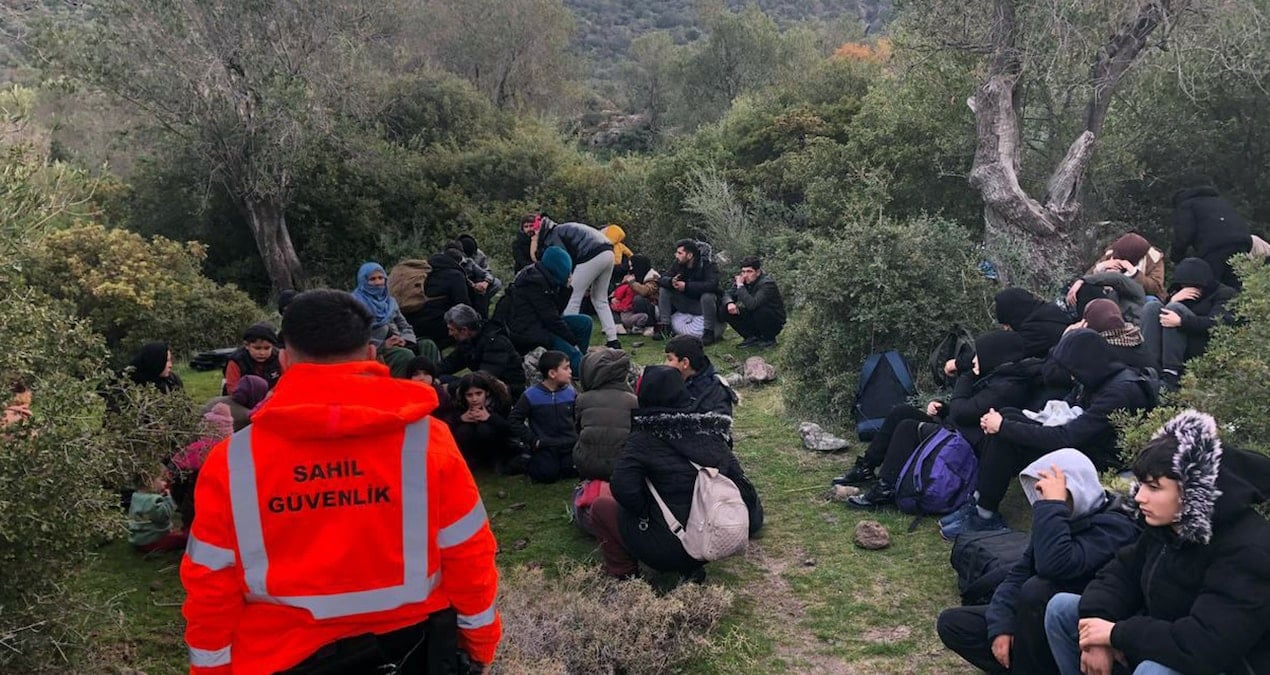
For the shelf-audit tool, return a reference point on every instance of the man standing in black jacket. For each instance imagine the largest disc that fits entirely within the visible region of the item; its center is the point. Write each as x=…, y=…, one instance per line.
x=754, y=308
x=1206, y=222
x=691, y=287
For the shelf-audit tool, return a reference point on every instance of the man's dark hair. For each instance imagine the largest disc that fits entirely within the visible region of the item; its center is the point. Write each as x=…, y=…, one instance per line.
x=1156, y=460
x=689, y=246
x=422, y=364
x=326, y=324
x=550, y=360
x=528, y=218
x=752, y=262
x=690, y=348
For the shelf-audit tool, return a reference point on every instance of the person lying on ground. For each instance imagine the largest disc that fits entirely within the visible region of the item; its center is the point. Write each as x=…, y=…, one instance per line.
x=479, y=422
x=668, y=434
x=1192, y=594
x=257, y=356
x=687, y=355
x=1179, y=331
x=690, y=287
x=753, y=307
x=1077, y=527
x=1104, y=386
x=532, y=315
x=1206, y=226
x=543, y=420
x=592, y=256
x=1040, y=323
x=996, y=377
x=1130, y=257
x=483, y=345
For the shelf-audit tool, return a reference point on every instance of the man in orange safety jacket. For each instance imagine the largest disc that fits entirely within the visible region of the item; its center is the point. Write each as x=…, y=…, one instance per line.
x=341, y=532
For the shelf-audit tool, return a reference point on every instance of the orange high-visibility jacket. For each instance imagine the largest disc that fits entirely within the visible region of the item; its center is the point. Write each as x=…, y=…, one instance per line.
x=342, y=510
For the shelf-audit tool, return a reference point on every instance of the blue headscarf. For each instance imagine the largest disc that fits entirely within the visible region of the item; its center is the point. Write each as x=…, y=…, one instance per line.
x=381, y=305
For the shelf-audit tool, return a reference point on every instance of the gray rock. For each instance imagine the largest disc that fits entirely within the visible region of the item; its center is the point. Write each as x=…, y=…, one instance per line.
x=816, y=438
x=871, y=535
x=758, y=371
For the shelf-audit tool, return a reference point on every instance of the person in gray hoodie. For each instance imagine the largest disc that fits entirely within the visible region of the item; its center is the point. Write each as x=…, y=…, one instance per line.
x=603, y=412
x=1077, y=527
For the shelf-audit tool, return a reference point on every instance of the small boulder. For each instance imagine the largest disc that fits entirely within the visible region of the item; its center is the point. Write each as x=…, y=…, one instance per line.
x=840, y=493
x=816, y=438
x=871, y=535
x=757, y=370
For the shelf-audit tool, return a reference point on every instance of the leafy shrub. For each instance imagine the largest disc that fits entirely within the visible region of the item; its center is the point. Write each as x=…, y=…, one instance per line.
x=583, y=621
x=876, y=286
x=132, y=290
x=1231, y=381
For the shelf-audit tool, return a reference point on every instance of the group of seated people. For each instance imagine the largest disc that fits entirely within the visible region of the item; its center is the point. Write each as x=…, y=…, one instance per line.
x=1174, y=580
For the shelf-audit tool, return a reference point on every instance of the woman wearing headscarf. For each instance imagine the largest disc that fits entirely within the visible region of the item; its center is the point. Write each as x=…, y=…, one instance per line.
x=153, y=365
x=667, y=437
x=388, y=327
x=1040, y=323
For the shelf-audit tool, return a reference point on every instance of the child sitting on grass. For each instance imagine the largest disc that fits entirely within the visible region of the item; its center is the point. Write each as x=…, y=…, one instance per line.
x=543, y=420
x=150, y=527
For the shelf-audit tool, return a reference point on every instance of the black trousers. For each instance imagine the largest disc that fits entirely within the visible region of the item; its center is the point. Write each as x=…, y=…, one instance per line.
x=762, y=323
x=908, y=435
x=426, y=648
x=964, y=630
x=999, y=465
x=881, y=441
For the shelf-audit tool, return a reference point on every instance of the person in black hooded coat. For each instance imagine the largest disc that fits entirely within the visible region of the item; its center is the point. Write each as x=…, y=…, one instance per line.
x=1192, y=595
x=667, y=435
x=1179, y=331
x=1040, y=323
x=995, y=377
x=445, y=287
x=153, y=365
x=1205, y=222
x=1104, y=386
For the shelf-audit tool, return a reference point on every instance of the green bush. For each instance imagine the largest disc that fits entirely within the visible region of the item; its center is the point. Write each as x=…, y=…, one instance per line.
x=1231, y=381
x=876, y=286
x=131, y=290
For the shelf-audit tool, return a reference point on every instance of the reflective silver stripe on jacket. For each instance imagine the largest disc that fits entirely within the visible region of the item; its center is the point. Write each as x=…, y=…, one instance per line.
x=478, y=620
x=464, y=528
x=209, y=658
x=208, y=555
x=416, y=585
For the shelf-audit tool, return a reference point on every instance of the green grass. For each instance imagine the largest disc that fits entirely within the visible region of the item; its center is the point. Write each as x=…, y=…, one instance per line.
x=808, y=600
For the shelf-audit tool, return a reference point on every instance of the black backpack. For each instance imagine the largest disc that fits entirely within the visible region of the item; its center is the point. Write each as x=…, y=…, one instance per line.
x=885, y=382
x=956, y=343
x=982, y=561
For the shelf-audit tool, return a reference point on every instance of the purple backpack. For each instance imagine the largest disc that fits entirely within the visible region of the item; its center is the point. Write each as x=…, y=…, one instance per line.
x=939, y=476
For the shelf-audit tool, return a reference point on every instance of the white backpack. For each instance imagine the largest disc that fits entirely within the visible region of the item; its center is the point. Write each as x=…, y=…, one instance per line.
x=718, y=520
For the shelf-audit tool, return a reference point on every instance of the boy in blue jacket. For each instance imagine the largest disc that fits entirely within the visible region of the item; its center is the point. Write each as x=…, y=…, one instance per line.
x=543, y=420
x=1076, y=529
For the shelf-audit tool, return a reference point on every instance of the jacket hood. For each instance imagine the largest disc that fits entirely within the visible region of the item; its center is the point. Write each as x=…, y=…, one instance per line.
x=1216, y=485
x=615, y=234
x=1193, y=192
x=1082, y=480
x=1131, y=246
x=468, y=242
x=1087, y=356
x=997, y=348
x=661, y=388
x=679, y=424
x=1193, y=272
x=1013, y=305
x=605, y=369
x=440, y=261
x=358, y=398
x=149, y=362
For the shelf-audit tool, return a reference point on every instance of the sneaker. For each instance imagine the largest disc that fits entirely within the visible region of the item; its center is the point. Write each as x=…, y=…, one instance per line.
x=621, y=330
x=650, y=332
x=961, y=512
x=881, y=494
x=973, y=523
x=858, y=473
x=764, y=344
x=613, y=344
x=748, y=342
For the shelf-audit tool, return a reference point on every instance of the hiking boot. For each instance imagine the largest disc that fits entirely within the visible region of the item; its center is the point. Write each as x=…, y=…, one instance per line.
x=1170, y=381
x=662, y=332
x=961, y=512
x=613, y=344
x=973, y=523
x=881, y=494
x=749, y=341
x=858, y=473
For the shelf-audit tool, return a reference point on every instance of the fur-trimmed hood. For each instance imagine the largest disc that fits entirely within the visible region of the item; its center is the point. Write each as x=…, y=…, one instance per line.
x=1217, y=484
x=677, y=424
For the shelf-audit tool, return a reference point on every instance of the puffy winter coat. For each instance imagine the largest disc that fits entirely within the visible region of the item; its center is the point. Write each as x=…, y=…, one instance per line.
x=661, y=448
x=530, y=311
x=603, y=412
x=582, y=241
x=701, y=278
x=1203, y=220
x=1196, y=598
x=445, y=287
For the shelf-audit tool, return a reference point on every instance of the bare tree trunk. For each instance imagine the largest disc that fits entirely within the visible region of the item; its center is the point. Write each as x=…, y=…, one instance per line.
x=1031, y=240
x=268, y=221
